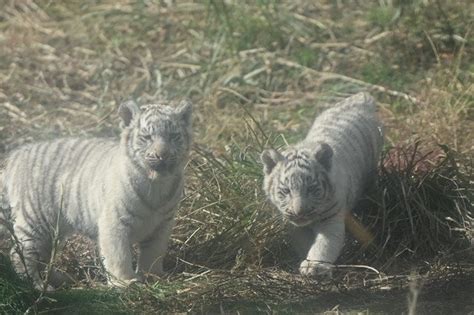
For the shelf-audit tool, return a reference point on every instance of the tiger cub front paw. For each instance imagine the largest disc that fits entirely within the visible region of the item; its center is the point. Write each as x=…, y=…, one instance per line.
x=124, y=283
x=311, y=268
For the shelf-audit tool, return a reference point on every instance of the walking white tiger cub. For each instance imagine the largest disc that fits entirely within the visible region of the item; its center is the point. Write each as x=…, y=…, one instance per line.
x=119, y=192
x=315, y=182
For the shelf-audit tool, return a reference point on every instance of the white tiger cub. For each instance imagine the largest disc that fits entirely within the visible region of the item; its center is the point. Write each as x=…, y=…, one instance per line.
x=119, y=192
x=315, y=182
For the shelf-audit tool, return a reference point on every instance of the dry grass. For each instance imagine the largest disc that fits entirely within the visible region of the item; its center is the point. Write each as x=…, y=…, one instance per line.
x=258, y=74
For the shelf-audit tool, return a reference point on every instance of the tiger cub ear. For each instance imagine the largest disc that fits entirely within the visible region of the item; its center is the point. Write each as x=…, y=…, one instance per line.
x=324, y=155
x=185, y=110
x=270, y=158
x=127, y=111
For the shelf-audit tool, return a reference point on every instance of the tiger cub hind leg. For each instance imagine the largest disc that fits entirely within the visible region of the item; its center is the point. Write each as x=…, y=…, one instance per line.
x=31, y=256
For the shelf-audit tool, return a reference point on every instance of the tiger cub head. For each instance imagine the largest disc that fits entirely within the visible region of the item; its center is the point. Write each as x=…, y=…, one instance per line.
x=158, y=136
x=297, y=182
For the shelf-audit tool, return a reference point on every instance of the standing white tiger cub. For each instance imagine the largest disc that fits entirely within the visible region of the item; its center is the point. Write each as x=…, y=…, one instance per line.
x=315, y=182
x=119, y=192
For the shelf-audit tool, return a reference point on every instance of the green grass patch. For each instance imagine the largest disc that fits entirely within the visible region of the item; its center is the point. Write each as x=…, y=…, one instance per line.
x=245, y=30
x=306, y=56
x=382, y=15
x=86, y=301
x=16, y=295
x=384, y=74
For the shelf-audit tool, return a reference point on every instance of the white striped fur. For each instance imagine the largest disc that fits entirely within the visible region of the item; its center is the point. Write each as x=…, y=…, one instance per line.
x=118, y=192
x=314, y=183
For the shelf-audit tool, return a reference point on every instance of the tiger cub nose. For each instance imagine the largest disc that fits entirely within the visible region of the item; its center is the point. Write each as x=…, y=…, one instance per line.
x=296, y=206
x=160, y=156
